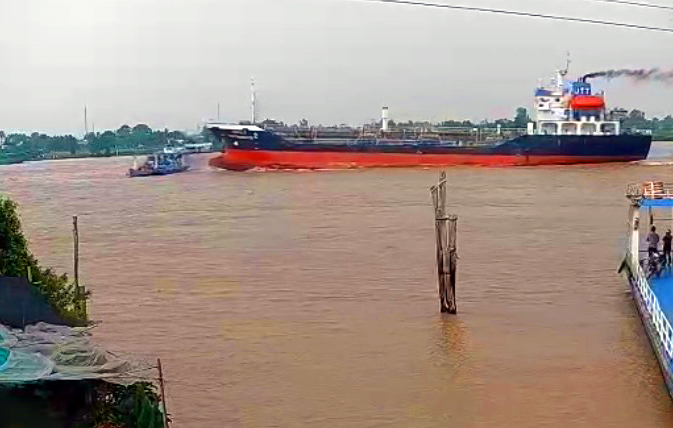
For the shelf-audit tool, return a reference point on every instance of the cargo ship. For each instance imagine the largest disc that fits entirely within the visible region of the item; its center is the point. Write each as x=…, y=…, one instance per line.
x=571, y=126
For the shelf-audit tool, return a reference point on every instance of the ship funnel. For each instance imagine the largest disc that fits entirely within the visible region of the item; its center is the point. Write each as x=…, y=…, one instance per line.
x=384, y=119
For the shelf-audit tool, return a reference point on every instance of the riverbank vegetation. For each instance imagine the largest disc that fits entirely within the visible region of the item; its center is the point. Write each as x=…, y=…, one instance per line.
x=17, y=260
x=127, y=140
x=85, y=403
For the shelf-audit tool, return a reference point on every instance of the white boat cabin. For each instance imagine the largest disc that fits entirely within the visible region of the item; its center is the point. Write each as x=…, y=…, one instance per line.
x=569, y=108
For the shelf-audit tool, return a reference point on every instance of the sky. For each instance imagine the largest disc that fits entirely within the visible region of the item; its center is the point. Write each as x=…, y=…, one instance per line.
x=168, y=63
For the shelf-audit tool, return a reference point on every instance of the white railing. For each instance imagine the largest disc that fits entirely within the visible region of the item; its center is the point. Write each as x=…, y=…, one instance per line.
x=650, y=190
x=661, y=324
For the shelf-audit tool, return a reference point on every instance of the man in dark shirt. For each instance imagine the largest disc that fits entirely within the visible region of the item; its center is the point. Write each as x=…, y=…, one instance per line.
x=652, y=242
x=667, y=248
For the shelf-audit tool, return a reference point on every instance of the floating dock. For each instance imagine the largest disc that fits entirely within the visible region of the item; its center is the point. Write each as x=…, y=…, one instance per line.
x=652, y=287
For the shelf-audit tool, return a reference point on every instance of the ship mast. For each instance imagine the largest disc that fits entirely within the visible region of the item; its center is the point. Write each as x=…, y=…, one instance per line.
x=563, y=73
x=253, y=98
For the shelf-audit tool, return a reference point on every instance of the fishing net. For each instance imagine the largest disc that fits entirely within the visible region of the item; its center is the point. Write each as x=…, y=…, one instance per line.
x=45, y=352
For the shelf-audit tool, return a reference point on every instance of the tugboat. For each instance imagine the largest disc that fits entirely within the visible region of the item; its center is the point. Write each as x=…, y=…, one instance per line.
x=159, y=163
x=571, y=126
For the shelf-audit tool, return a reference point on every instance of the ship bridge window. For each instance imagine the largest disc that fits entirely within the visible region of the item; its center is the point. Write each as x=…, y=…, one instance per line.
x=548, y=128
x=609, y=128
x=569, y=129
x=588, y=129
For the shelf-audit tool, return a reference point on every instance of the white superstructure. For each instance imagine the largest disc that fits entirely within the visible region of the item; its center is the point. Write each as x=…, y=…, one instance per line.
x=570, y=108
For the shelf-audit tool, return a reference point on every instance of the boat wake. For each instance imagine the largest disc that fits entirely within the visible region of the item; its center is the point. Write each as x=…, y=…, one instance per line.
x=662, y=162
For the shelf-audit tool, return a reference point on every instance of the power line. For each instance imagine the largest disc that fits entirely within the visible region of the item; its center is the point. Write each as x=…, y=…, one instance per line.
x=636, y=3
x=526, y=14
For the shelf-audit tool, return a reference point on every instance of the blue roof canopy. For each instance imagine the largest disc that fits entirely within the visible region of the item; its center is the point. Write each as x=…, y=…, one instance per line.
x=657, y=203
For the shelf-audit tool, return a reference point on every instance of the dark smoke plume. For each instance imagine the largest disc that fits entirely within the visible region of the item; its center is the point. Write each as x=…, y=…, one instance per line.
x=653, y=74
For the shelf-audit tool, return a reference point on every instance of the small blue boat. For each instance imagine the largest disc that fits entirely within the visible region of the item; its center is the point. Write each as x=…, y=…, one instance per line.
x=650, y=277
x=160, y=163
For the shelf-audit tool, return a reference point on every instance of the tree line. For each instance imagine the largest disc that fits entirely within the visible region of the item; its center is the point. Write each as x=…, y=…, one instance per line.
x=125, y=140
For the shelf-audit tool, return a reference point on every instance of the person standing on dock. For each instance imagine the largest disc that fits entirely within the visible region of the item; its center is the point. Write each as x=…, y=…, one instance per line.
x=653, y=242
x=667, y=248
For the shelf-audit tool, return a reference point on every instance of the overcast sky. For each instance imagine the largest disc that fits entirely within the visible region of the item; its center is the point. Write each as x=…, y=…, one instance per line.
x=168, y=63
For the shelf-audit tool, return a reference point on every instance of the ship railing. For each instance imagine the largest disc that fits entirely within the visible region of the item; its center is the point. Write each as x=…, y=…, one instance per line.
x=649, y=190
x=658, y=318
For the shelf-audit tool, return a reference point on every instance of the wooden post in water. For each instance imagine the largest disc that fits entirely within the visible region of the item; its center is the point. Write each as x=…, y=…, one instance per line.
x=447, y=257
x=163, y=392
x=452, y=256
x=81, y=302
x=75, y=235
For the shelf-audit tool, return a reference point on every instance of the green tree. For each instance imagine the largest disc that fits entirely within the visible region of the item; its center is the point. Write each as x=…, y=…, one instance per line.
x=505, y=123
x=90, y=137
x=14, y=255
x=521, y=119
x=141, y=129
x=17, y=260
x=72, y=144
x=176, y=135
x=124, y=131
x=636, y=120
x=636, y=114
x=103, y=143
x=456, y=123
x=666, y=124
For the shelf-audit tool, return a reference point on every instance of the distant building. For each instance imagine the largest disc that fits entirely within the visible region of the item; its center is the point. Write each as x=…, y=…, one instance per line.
x=619, y=114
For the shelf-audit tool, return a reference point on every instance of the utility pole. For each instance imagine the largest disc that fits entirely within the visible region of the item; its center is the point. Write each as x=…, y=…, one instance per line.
x=163, y=392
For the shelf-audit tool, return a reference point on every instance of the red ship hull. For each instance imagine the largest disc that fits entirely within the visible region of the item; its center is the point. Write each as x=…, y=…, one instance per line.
x=241, y=160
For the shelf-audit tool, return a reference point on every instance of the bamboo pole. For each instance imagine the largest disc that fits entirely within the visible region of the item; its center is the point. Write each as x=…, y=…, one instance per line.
x=163, y=392
x=79, y=290
x=452, y=256
x=446, y=234
x=75, y=233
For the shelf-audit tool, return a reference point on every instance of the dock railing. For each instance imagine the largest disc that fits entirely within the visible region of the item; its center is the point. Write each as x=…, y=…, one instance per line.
x=649, y=190
x=661, y=324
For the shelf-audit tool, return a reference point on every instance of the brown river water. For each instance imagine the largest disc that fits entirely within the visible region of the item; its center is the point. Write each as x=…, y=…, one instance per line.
x=309, y=299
